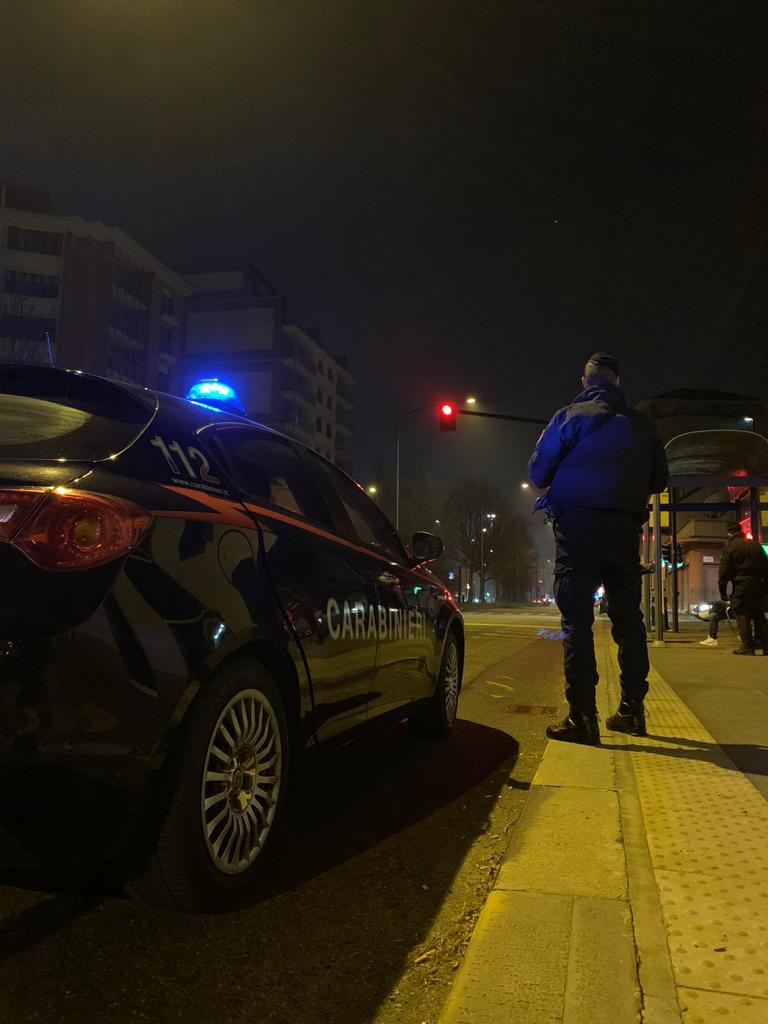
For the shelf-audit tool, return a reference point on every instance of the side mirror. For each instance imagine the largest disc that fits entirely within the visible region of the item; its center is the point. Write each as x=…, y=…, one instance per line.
x=426, y=547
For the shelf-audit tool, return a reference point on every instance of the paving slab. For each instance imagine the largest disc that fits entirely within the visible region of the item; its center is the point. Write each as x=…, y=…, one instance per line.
x=602, y=983
x=567, y=840
x=516, y=965
x=565, y=764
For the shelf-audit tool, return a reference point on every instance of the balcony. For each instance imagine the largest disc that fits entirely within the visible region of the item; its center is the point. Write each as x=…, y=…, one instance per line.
x=295, y=358
x=343, y=422
x=344, y=395
x=299, y=397
x=299, y=433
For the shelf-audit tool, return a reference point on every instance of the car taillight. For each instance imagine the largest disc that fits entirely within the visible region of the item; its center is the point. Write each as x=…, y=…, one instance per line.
x=15, y=507
x=70, y=530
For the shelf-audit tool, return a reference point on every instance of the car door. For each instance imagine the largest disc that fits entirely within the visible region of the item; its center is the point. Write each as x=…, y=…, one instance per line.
x=409, y=599
x=326, y=585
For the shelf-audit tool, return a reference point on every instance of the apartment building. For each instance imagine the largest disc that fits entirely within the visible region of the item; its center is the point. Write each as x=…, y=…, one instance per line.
x=284, y=374
x=82, y=294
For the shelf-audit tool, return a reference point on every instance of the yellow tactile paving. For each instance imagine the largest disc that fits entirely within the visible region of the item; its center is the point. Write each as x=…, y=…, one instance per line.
x=707, y=831
x=700, y=1007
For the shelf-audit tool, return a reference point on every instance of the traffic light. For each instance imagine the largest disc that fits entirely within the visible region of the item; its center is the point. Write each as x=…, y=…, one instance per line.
x=447, y=414
x=666, y=554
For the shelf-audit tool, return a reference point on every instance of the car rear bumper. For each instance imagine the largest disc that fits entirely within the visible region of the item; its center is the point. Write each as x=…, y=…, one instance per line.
x=78, y=747
x=59, y=811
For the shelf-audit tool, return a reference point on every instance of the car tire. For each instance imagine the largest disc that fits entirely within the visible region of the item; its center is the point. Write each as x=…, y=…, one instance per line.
x=223, y=795
x=438, y=717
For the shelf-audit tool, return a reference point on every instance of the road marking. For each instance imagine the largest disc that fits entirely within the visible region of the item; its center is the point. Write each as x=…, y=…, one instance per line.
x=508, y=625
x=498, y=632
x=504, y=686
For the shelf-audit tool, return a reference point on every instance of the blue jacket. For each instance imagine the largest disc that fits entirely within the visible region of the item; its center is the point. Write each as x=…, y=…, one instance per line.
x=599, y=453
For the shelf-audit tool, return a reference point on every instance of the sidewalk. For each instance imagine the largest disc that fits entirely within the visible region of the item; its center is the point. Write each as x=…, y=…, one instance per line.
x=635, y=887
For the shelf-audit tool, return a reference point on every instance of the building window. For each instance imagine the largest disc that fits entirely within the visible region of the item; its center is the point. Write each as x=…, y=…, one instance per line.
x=132, y=280
x=328, y=402
x=319, y=425
x=167, y=305
x=29, y=240
x=131, y=322
x=163, y=381
x=27, y=328
x=328, y=430
x=42, y=285
x=166, y=340
x=330, y=373
x=319, y=394
x=320, y=365
x=123, y=363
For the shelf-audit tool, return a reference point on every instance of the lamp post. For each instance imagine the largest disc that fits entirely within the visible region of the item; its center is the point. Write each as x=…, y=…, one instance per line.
x=483, y=517
x=410, y=412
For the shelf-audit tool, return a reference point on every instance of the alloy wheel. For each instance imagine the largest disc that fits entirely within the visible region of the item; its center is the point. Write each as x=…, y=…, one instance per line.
x=451, y=681
x=241, y=781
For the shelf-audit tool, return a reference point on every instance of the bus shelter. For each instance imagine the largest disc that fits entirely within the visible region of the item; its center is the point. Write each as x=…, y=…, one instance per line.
x=712, y=473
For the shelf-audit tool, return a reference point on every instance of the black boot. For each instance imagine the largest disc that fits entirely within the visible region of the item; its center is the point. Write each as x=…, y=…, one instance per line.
x=577, y=727
x=744, y=650
x=629, y=718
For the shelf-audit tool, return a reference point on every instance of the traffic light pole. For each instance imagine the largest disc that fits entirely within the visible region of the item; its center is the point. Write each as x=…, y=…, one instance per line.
x=501, y=416
x=673, y=562
x=659, y=573
x=397, y=478
x=410, y=412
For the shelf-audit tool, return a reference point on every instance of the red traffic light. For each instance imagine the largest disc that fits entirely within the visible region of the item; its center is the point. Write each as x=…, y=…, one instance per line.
x=447, y=416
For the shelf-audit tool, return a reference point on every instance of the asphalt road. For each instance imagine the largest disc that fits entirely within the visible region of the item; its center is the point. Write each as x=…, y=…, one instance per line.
x=388, y=852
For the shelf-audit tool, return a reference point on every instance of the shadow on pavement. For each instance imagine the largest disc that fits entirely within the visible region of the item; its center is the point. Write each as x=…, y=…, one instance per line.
x=745, y=757
x=373, y=840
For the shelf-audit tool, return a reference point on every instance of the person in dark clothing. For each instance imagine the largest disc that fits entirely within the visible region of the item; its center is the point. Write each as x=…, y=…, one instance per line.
x=718, y=613
x=744, y=565
x=599, y=461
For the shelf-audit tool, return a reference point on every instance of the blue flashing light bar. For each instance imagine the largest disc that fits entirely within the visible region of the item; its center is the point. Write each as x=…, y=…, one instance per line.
x=216, y=393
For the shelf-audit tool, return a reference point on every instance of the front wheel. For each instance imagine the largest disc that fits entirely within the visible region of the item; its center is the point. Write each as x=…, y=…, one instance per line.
x=225, y=791
x=438, y=717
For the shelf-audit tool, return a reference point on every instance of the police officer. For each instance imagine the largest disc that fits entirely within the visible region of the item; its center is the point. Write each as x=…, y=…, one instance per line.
x=599, y=460
x=744, y=565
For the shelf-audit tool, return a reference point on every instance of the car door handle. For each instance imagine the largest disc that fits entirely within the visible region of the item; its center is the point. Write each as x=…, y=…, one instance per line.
x=388, y=578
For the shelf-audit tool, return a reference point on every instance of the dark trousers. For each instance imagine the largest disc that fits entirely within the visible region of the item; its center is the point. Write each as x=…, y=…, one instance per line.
x=748, y=605
x=716, y=616
x=599, y=546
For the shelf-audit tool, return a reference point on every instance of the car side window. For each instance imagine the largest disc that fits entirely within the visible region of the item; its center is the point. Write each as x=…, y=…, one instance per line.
x=356, y=515
x=268, y=470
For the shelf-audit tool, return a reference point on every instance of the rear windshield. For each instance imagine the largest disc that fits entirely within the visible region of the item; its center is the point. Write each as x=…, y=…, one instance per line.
x=48, y=414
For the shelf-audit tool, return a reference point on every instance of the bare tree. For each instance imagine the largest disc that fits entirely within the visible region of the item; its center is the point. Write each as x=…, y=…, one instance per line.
x=504, y=553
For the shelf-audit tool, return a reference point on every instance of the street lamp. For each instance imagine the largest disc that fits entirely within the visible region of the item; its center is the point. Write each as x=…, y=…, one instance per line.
x=483, y=516
x=749, y=420
x=525, y=485
x=410, y=412
x=471, y=400
x=372, y=489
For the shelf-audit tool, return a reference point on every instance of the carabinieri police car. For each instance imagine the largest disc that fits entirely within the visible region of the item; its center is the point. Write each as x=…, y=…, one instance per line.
x=189, y=600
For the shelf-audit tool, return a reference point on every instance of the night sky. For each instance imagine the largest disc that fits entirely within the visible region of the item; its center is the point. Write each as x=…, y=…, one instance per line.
x=464, y=197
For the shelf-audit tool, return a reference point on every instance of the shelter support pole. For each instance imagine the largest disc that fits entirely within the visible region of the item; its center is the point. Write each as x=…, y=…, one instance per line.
x=659, y=571
x=673, y=563
x=647, y=576
x=754, y=514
